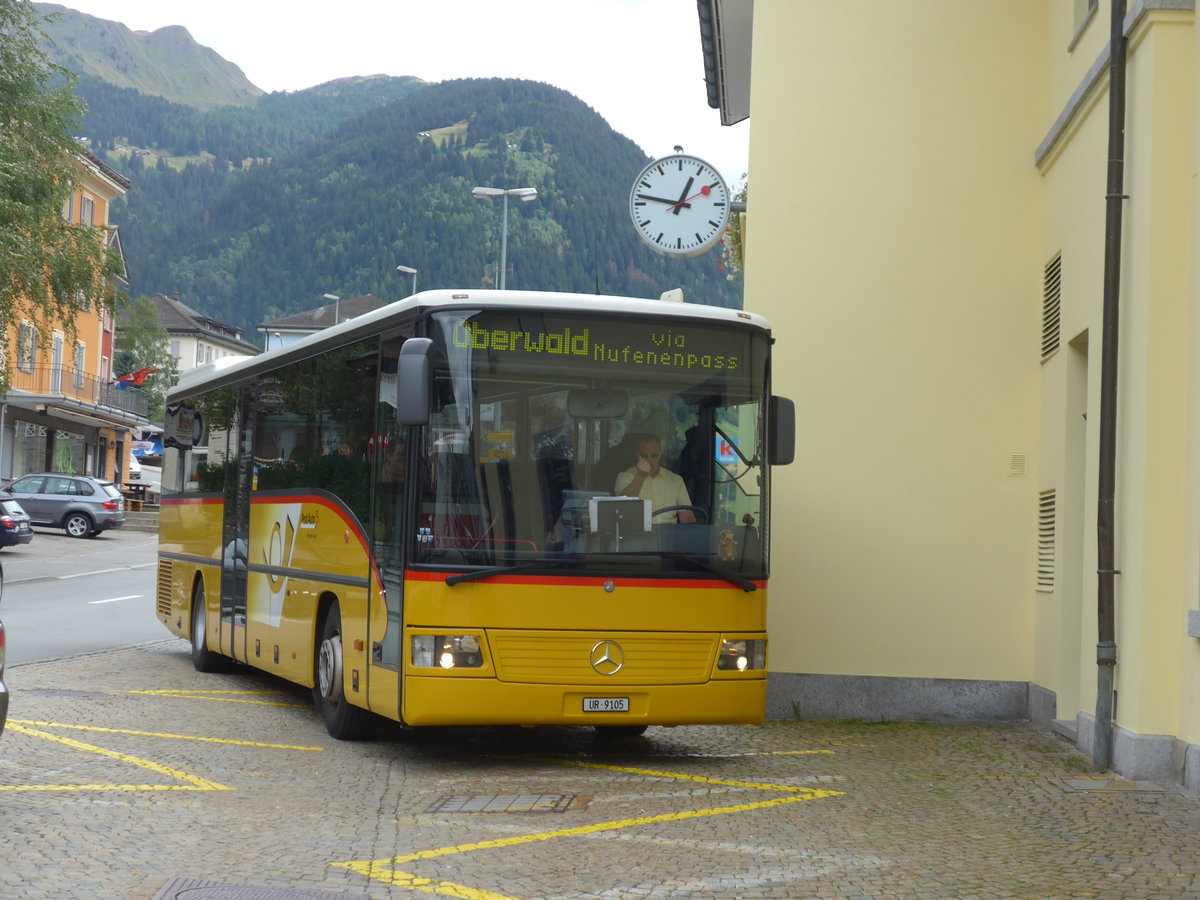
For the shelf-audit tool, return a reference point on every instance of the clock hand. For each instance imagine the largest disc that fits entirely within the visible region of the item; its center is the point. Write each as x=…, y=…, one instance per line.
x=704, y=191
x=683, y=197
x=658, y=199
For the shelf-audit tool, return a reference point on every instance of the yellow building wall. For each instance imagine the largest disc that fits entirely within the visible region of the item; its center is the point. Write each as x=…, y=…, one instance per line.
x=1190, y=654
x=1151, y=621
x=1153, y=422
x=1073, y=182
x=905, y=200
x=895, y=220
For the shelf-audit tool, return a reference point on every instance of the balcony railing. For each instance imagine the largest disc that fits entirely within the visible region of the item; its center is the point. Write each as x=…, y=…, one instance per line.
x=65, y=383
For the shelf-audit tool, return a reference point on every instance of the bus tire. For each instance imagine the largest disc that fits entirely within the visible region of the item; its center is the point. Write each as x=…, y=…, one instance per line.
x=343, y=720
x=203, y=659
x=620, y=731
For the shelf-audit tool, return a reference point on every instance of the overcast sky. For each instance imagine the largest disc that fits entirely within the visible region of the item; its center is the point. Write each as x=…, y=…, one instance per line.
x=636, y=62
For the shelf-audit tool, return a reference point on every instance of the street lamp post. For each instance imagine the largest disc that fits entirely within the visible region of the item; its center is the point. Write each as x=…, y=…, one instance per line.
x=337, y=305
x=408, y=270
x=485, y=193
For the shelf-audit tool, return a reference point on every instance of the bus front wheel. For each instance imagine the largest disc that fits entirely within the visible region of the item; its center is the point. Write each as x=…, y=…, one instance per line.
x=344, y=721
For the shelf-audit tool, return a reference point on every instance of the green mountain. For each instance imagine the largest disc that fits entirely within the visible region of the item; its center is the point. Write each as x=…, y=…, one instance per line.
x=167, y=63
x=252, y=213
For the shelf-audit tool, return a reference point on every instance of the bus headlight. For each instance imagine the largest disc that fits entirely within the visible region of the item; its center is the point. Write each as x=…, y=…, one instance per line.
x=449, y=651
x=740, y=655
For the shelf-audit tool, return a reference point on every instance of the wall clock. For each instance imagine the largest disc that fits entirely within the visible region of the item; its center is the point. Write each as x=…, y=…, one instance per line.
x=679, y=205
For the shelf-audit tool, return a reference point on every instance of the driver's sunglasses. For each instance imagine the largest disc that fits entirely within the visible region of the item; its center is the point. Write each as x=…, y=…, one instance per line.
x=650, y=455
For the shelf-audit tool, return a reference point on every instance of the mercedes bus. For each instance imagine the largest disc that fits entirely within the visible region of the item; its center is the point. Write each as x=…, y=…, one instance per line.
x=416, y=513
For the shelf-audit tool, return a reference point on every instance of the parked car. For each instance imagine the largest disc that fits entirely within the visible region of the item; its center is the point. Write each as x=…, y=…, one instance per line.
x=3, y=686
x=15, y=526
x=135, y=469
x=80, y=505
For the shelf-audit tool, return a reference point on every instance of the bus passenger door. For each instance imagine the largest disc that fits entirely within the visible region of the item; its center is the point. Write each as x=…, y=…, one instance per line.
x=235, y=530
x=392, y=535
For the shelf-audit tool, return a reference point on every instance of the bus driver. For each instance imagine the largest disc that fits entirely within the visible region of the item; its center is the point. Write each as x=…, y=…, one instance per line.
x=649, y=480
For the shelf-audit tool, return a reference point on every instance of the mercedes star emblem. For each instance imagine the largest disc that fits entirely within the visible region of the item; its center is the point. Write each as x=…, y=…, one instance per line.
x=607, y=658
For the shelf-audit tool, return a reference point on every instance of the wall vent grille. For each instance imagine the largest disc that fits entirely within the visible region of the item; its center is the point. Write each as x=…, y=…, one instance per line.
x=1016, y=463
x=1051, y=307
x=1047, y=501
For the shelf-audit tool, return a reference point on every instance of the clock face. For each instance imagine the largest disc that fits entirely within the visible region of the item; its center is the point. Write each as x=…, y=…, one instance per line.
x=679, y=205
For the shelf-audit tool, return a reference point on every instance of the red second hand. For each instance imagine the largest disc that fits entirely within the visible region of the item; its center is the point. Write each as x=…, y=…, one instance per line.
x=704, y=191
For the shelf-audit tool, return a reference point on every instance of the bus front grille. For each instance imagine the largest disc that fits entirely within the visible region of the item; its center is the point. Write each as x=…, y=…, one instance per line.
x=549, y=657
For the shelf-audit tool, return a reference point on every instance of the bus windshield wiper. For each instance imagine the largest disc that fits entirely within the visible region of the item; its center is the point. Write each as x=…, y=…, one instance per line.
x=534, y=565
x=733, y=578
x=744, y=583
x=525, y=566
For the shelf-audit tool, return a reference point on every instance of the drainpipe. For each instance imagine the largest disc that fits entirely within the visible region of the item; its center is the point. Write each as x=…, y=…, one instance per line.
x=1106, y=644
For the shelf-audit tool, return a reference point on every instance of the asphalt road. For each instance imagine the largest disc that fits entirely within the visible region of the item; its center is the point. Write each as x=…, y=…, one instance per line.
x=130, y=775
x=67, y=596
x=127, y=774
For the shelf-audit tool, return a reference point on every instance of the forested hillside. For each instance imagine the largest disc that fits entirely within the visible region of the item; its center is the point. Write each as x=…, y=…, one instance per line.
x=234, y=135
x=252, y=212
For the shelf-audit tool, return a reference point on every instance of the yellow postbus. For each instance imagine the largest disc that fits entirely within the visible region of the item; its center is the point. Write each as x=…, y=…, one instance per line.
x=426, y=513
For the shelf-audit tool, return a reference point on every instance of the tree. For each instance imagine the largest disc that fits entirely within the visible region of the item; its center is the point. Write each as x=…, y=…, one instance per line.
x=46, y=263
x=143, y=343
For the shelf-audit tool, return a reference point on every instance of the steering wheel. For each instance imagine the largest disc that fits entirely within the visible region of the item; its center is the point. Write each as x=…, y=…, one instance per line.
x=701, y=514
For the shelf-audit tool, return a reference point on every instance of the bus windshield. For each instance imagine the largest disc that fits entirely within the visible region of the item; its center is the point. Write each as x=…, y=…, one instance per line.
x=539, y=423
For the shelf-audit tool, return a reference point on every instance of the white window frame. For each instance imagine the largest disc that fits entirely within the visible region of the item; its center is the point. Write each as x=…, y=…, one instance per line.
x=26, y=346
x=80, y=362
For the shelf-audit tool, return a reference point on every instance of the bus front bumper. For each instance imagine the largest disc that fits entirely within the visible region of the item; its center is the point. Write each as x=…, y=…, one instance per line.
x=485, y=701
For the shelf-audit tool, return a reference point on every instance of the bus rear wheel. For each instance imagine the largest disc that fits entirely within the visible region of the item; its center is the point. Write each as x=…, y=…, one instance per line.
x=203, y=659
x=343, y=721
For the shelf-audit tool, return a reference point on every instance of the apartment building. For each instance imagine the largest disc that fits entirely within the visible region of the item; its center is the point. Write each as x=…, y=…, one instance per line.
x=196, y=339
x=63, y=411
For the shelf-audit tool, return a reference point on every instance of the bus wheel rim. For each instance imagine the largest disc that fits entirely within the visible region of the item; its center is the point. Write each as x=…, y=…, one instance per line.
x=329, y=667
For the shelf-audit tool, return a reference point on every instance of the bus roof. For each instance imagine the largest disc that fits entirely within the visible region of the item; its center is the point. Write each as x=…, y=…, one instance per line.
x=231, y=369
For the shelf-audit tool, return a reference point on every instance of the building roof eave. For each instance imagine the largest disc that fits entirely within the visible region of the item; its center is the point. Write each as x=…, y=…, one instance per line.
x=726, y=33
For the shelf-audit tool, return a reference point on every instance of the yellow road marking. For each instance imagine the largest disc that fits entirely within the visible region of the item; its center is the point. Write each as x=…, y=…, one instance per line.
x=177, y=737
x=191, y=782
x=383, y=869
x=700, y=779
x=206, y=691
x=221, y=697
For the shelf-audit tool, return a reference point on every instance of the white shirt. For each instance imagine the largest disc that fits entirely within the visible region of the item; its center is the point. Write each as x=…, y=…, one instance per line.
x=664, y=489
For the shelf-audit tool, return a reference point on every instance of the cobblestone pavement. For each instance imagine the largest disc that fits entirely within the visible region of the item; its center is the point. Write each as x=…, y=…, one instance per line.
x=121, y=772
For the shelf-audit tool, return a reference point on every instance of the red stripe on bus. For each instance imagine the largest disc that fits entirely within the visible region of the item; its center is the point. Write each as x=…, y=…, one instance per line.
x=586, y=580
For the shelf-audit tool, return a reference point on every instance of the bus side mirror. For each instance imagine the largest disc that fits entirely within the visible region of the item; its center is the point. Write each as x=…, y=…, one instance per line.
x=414, y=381
x=782, y=412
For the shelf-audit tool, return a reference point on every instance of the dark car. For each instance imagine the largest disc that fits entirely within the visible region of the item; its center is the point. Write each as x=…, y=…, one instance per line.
x=79, y=504
x=15, y=527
